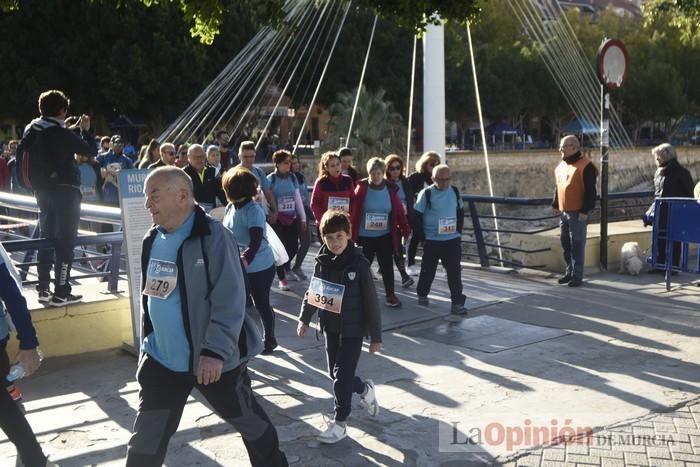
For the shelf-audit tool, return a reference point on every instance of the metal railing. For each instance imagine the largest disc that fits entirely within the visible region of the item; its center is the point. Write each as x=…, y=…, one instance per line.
x=30, y=244
x=479, y=239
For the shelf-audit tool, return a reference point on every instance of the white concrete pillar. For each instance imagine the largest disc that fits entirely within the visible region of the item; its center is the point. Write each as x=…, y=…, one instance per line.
x=434, y=89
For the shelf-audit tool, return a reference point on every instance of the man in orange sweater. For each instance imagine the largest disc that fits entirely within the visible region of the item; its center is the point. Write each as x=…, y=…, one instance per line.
x=574, y=197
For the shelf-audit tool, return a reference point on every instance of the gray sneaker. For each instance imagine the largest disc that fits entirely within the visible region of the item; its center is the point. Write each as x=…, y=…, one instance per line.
x=369, y=399
x=300, y=274
x=458, y=309
x=334, y=433
x=423, y=301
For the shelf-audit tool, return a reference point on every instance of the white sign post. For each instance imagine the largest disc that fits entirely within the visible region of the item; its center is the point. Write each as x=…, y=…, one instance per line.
x=136, y=220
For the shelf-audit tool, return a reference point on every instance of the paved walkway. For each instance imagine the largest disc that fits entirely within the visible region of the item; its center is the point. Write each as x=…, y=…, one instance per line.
x=533, y=361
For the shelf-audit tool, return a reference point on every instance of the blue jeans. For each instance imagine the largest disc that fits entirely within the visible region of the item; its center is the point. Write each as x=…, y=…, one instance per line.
x=573, y=242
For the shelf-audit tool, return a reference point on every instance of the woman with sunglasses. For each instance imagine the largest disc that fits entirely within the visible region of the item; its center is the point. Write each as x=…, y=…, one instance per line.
x=418, y=180
x=379, y=222
x=394, y=175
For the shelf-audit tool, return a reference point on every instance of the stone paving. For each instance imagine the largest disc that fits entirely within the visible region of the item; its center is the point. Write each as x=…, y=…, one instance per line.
x=669, y=439
x=625, y=362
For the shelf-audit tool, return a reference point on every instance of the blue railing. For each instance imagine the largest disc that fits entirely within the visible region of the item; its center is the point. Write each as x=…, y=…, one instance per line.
x=676, y=229
x=29, y=244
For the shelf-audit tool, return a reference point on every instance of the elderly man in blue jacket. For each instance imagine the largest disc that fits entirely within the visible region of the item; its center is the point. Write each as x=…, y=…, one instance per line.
x=195, y=329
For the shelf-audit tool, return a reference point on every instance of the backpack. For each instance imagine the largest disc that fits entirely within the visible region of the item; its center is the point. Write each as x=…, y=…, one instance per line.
x=460, y=211
x=33, y=169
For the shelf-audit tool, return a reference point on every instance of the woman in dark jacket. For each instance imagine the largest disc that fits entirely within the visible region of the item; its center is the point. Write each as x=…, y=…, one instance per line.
x=394, y=174
x=671, y=180
x=418, y=180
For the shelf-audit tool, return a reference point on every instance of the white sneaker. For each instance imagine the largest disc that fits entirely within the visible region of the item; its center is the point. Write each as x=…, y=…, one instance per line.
x=369, y=399
x=283, y=285
x=376, y=273
x=412, y=270
x=334, y=433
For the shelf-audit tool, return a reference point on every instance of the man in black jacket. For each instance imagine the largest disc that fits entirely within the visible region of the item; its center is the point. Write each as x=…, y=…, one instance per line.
x=58, y=196
x=207, y=186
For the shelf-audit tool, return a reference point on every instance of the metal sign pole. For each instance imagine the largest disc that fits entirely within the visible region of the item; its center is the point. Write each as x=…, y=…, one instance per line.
x=613, y=65
x=604, y=145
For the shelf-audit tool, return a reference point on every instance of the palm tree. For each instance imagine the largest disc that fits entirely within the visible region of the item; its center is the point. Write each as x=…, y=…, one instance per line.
x=377, y=129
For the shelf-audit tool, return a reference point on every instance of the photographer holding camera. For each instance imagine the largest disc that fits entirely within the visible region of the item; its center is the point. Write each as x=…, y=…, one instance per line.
x=58, y=194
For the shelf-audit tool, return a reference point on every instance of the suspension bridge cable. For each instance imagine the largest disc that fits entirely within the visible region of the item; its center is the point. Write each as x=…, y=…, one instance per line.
x=483, y=141
x=362, y=80
x=323, y=75
x=410, y=105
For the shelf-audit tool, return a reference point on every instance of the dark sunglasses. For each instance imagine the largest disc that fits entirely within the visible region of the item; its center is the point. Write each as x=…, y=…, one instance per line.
x=394, y=167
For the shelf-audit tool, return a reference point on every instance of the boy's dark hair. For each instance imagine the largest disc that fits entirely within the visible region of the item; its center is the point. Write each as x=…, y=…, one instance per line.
x=51, y=102
x=334, y=221
x=280, y=156
x=246, y=146
x=239, y=183
x=345, y=151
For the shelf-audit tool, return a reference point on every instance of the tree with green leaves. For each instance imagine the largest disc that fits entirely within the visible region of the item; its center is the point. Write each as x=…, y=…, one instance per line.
x=377, y=129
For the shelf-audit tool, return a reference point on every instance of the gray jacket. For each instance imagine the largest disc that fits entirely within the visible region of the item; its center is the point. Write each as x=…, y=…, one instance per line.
x=213, y=295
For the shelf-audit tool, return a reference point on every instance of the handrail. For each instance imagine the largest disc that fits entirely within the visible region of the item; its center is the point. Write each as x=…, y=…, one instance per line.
x=477, y=231
x=88, y=212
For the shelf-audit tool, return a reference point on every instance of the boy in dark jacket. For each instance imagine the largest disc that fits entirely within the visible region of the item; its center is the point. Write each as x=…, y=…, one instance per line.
x=342, y=291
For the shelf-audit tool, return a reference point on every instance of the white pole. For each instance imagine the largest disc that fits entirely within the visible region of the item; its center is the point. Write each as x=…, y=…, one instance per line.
x=434, y=89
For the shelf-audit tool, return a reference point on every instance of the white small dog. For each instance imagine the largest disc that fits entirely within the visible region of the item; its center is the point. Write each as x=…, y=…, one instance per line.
x=631, y=259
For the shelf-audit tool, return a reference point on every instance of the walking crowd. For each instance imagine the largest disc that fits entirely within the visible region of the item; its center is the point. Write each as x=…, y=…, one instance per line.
x=208, y=272
x=206, y=283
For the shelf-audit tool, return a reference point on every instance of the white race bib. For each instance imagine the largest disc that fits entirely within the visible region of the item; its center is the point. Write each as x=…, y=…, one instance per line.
x=447, y=225
x=336, y=203
x=375, y=221
x=161, y=278
x=325, y=295
x=286, y=204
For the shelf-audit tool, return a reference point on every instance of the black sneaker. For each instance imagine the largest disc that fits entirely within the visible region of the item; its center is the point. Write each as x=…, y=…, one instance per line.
x=44, y=295
x=575, y=282
x=270, y=347
x=423, y=301
x=565, y=280
x=67, y=300
x=458, y=309
x=406, y=282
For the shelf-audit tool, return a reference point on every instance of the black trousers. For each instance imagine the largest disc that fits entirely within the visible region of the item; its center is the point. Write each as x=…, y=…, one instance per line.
x=260, y=283
x=401, y=263
x=413, y=249
x=343, y=355
x=59, y=216
x=16, y=427
x=304, y=243
x=289, y=236
x=162, y=397
x=383, y=248
x=449, y=252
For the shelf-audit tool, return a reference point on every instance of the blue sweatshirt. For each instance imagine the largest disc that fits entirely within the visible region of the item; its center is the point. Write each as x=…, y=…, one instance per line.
x=16, y=305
